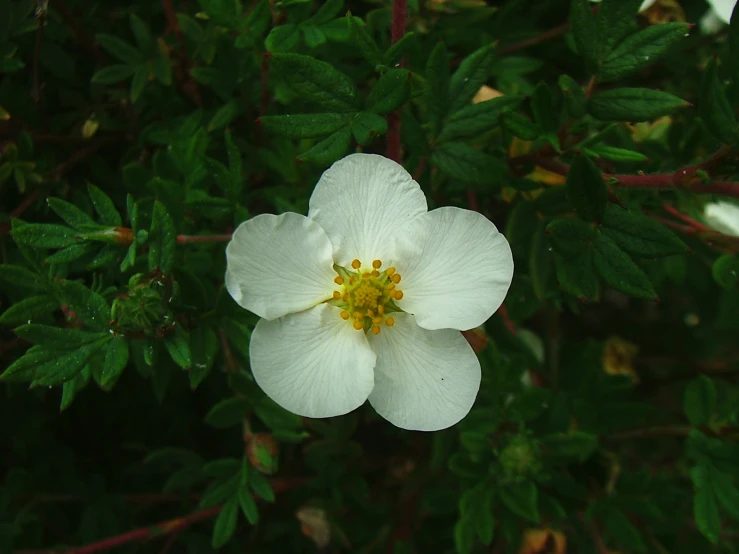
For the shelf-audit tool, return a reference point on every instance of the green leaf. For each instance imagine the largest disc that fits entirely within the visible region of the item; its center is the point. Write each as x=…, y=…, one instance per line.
x=22, y=277
x=705, y=507
x=113, y=74
x=261, y=486
x=317, y=82
x=65, y=365
x=464, y=534
x=228, y=413
x=436, y=87
x=138, y=83
x=570, y=237
x=624, y=531
x=28, y=308
x=225, y=115
x=574, y=96
x=619, y=271
x=142, y=33
x=725, y=271
x=520, y=126
x=577, y=276
x=476, y=505
x=90, y=307
x=390, y=92
x=71, y=388
x=640, y=235
x=275, y=417
x=116, y=359
x=72, y=215
x=282, y=38
x=633, y=104
x=60, y=338
x=329, y=149
x=522, y=499
x=204, y=346
x=248, y=505
x=585, y=32
x=313, y=36
x=733, y=57
x=541, y=263
x=178, y=346
x=641, y=50
x=700, y=400
x=586, y=190
x=616, y=19
x=367, y=45
x=465, y=164
x=162, y=240
x=104, y=207
x=472, y=73
x=42, y=235
x=614, y=154
x=225, y=525
x=476, y=119
x=576, y=445
x=726, y=492
x=544, y=108
x=301, y=126
x=715, y=109
x=366, y=126
x=119, y=49
x=395, y=53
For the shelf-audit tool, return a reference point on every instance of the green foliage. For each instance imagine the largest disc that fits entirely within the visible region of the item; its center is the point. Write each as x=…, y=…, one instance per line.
x=134, y=139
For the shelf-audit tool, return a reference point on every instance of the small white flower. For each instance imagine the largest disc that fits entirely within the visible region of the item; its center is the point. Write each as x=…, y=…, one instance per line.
x=723, y=217
x=337, y=329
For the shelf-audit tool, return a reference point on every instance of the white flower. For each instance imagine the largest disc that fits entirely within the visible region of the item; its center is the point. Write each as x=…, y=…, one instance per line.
x=337, y=329
x=644, y=6
x=723, y=217
x=722, y=9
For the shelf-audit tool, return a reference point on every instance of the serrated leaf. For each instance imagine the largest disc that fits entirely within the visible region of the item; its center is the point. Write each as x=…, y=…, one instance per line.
x=633, y=104
x=700, y=400
x=619, y=271
x=520, y=126
x=522, y=499
x=116, y=359
x=576, y=275
x=465, y=164
x=476, y=119
x=162, y=240
x=586, y=190
x=104, y=207
x=715, y=109
x=390, y=92
x=72, y=215
x=301, y=126
x=329, y=149
x=585, y=33
x=66, y=364
x=366, y=126
x=395, y=53
x=60, y=338
x=316, y=82
x=89, y=306
x=639, y=235
x=42, y=235
x=28, y=308
x=570, y=237
x=225, y=525
x=616, y=19
x=282, y=38
x=364, y=41
x=22, y=277
x=70, y=253
x=472, y=73
x=614, y=154
x=71, y=388
x=228, y=412
x=436, y=87
x=641, y=50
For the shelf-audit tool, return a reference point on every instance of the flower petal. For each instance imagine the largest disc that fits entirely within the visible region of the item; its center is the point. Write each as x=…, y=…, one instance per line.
x=456, y=268
x=312, y=363
x=424, y=380
x=723, y=9
x=361, y=201
x=723, y=217
x=279, y=264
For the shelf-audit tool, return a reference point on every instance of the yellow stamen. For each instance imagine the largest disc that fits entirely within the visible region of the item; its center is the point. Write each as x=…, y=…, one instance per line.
x=345, y=298
x=365, y=275
x=375, y=329
x=396, y=278
x=358, y=325
x=357, y=315
x=356, y=264
x=352, y=280
x=390, y=271
x=376, y=320
x=377, y=264
x=345, y=315
x=375, y=273
x=337, y=295
x=381, y=309
x=390, y=321
x=398, y=294
x=339, y=280
x=390, y=287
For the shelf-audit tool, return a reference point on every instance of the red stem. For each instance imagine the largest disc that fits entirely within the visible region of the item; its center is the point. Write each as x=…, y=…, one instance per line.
x=186, y=239
x=546, y=35
x=397, y=31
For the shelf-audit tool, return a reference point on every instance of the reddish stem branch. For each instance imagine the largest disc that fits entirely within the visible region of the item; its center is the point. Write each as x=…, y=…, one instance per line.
x=652, y=432
x=546, y=35
x=186, y=239
x=397, y=31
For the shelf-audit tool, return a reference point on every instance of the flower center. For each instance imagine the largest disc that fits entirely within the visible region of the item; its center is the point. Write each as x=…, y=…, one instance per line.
x=367, y=295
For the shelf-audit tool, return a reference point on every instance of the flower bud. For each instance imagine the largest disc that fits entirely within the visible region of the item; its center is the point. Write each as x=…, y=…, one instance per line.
x=263, y=452
x=520, y=458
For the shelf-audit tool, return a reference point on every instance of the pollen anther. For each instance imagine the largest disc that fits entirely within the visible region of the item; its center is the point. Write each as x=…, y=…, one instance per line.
x=339, y=280
x=358, y=325
x=377, y=264
x=375, y=329
x=390, y=271
x=337, y=295
x=398, y=294
x=356, y=264
x=396, y=278
x=345, y=315
x=390, y=321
